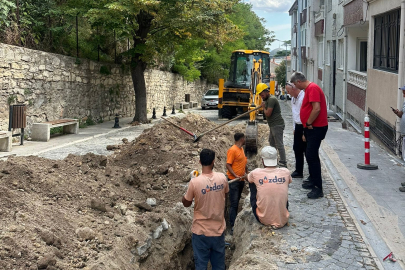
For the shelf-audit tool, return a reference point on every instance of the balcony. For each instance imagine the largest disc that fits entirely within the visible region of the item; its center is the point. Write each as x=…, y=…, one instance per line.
x=358, y=79
x=319, y=28
x=353, y=12
x=319, y=15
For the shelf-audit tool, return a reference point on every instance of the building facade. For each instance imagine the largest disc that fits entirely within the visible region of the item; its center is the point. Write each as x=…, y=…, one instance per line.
x=354, y=49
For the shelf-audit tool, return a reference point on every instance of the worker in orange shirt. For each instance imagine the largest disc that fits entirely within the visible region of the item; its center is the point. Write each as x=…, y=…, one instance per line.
x=236, y=163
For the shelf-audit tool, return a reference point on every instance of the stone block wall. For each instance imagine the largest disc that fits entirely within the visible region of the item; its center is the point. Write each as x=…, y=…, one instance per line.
x=55, y=86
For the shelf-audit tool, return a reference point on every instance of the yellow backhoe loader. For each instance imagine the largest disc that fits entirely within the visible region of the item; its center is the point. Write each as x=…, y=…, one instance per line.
x=238, y=94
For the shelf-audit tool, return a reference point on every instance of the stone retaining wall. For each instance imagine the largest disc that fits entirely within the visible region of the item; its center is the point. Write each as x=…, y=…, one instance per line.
x=55, y=86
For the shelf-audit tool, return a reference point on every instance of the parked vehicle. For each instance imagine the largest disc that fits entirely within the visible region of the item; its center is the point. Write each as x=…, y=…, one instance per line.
x=210, y=99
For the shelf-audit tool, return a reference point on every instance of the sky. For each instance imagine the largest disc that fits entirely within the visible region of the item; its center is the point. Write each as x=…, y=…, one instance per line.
x=275, y=12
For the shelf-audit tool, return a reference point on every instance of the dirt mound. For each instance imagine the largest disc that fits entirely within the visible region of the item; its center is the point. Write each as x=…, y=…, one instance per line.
x=97, y=212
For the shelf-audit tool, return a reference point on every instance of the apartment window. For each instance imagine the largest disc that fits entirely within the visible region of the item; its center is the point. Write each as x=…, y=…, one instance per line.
x=386, y=41
x=328, y=55
x=362, y=56
x=320, y=52
x=340, y=57
x=303, y=36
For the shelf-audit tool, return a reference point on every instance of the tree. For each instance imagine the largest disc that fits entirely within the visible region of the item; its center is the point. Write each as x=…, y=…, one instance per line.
x=280, y=74
x=253, y=35
x=156, y=27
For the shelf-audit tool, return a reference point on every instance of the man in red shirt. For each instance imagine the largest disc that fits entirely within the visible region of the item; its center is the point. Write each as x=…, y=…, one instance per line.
x=314, y=117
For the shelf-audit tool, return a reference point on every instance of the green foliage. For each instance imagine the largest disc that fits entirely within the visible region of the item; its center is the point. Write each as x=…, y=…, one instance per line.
x=105, y=70
x=56, y=130
x=281, y=73
x=283, y=53
x=27, y=92
x=11, y=99
x=5, y=7
x=90, y=121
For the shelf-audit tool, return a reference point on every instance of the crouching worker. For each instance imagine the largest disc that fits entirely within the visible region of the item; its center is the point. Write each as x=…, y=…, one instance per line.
x=208, y=191
x=269, y=190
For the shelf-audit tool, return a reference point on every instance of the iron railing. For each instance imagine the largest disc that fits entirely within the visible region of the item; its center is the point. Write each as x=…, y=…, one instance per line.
x=384, y=131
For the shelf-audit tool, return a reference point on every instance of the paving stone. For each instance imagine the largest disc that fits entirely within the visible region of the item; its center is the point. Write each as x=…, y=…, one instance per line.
x=324, y=231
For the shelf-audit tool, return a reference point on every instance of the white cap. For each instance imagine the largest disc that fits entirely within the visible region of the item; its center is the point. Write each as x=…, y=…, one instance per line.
x=269, y=156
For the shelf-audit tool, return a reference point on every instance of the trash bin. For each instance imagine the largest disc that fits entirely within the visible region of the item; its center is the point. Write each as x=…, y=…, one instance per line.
x=18, y=119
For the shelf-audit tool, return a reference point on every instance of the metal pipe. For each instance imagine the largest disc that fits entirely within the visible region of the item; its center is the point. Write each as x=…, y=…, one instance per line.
x=299, y=35
x=324, y=44
x=401, y=69
x=345, y=79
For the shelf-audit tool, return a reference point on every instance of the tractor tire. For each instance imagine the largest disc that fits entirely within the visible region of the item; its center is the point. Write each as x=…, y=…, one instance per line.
x=227, y=112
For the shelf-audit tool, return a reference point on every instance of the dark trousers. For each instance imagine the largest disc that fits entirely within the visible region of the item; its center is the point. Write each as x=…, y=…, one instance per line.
x=299, y=148
x=253, y=200
x=235, y=192
x=314, y=138
x=209, y=248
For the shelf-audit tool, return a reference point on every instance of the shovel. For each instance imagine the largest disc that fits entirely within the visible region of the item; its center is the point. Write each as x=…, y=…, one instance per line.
x=243, y=114
x=185, y=130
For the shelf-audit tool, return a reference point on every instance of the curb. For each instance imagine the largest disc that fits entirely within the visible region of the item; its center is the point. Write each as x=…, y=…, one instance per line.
x=375, y=243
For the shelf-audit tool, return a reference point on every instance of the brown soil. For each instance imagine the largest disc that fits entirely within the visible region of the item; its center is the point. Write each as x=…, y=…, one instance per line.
x=90, y=211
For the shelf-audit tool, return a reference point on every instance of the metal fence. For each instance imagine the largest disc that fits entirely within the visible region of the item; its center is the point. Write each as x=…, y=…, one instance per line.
x=383, y=131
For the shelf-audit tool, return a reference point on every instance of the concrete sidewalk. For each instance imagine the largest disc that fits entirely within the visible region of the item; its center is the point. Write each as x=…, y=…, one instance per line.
x=372, y=196
x=83, y=142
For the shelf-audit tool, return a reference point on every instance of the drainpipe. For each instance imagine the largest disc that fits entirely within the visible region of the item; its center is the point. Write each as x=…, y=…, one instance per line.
x=345, y=79
x=401, y=80
x=324, y=45
x=299, y=35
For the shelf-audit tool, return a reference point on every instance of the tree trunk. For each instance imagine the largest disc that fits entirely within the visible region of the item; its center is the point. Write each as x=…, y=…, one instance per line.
x=138, y=66
x=138, y=80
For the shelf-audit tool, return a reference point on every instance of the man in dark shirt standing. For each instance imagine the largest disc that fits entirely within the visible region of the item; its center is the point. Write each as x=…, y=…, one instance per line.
x=272, y=110
x=314, y=117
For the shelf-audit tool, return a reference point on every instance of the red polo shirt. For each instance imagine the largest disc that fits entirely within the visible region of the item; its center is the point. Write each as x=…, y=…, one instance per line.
x=313, y=93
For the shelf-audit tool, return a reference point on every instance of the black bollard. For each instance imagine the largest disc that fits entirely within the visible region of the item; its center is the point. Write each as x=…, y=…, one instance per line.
x=173, y=112
x=117, y=121
x=154, y=114
x=164, y=111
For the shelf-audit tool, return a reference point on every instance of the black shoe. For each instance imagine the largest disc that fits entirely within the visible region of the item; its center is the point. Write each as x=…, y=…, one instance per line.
x=315, y=193
x=295, y=174
x=308, y=185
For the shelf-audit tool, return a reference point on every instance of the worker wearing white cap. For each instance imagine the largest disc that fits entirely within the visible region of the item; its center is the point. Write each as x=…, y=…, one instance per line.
x=269, y=190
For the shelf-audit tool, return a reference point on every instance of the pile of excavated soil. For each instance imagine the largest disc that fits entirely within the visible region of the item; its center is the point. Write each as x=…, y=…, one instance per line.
x=117, y=212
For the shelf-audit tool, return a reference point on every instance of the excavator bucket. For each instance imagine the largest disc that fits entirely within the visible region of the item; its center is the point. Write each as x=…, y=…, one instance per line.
x=251, y=137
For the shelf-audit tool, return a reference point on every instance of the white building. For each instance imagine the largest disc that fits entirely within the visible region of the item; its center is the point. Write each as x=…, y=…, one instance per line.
x=354, y=50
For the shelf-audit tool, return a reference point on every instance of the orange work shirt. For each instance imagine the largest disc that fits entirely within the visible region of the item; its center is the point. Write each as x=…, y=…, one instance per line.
x=272, y=195
x=208, y=192
x=236, y=157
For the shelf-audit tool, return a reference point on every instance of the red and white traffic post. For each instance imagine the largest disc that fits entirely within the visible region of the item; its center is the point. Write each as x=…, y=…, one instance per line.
x=366, y=165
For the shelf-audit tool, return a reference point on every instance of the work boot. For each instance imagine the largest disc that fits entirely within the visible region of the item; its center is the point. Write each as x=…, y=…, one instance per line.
x=296, y=174
x=402, y=189
x=308, y=185
x=315, y=193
